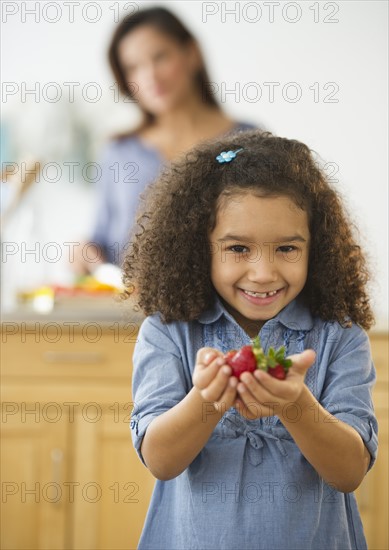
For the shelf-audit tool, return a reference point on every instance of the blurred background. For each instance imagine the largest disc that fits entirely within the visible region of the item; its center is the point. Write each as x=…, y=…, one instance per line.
x=312, y=71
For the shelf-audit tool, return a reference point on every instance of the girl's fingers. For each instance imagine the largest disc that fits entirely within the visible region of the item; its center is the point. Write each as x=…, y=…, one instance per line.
x=252, y=387
x=211, y=376
x=302, y=361
x=271, y=388
x=203, y=377
x=214, y=390
x=205, y=355
x=208, y=363
x=287, y=389
x=228, y=397
x=256, y=401
x=204, y=374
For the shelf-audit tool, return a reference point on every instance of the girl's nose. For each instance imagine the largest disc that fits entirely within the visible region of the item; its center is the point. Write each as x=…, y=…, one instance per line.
x=262, y=270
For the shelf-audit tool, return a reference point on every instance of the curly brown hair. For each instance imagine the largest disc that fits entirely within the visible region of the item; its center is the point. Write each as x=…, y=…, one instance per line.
x=167, y=267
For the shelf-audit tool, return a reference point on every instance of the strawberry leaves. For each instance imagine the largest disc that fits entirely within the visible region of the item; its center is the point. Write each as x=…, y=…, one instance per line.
x=249, y=358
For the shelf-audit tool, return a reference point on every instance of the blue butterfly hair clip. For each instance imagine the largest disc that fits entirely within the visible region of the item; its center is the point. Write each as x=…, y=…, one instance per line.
x=227, y=156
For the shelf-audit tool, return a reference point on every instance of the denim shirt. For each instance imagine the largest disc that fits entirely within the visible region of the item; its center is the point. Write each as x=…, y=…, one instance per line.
x=250, y=487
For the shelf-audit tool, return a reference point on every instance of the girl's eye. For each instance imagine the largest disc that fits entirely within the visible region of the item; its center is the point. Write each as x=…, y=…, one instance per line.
x=287, y=248
x=238, y=248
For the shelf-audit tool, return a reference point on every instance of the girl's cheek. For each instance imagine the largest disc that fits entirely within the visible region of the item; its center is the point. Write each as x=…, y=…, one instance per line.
x=229, y=270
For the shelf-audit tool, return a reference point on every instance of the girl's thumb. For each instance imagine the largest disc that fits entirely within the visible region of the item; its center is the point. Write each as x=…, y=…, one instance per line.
x=302, y=361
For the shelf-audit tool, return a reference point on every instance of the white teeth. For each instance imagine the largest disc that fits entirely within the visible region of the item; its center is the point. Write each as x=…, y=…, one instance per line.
x=260, y=294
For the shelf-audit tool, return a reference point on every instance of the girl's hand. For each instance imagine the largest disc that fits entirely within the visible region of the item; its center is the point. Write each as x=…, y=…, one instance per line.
x=260, y=395
x=212, y=378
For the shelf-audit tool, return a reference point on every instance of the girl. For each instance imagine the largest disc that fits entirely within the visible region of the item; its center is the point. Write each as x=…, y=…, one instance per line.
x=244, y=236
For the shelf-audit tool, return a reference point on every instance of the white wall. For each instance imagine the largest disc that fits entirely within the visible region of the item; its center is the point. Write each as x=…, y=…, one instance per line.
x=336, y=48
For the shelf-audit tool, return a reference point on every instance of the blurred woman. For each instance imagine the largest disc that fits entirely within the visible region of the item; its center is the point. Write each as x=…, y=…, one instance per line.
x=158, y=64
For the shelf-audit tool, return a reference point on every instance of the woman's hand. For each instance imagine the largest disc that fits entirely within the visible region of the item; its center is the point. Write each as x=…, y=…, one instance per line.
x=260, y=395
x=81, y=264
x=212, y=378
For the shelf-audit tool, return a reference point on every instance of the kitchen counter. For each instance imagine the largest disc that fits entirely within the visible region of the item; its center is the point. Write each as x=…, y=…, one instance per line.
x=103, y=311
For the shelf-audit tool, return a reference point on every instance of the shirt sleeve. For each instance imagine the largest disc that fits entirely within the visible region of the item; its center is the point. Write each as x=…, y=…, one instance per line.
x=159, y=382
x=104, y=191
x=347, y=394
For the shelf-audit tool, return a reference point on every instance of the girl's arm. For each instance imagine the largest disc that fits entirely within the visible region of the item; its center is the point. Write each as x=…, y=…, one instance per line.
x=334, y=448
x=174, y=439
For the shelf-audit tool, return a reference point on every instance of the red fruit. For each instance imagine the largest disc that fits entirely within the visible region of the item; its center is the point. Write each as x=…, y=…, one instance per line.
x=229, y=355
x=241, y=361
x=250, y=358
x=277, y=372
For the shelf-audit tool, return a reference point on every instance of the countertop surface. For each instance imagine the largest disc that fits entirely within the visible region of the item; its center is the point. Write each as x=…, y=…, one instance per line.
x=103, y=312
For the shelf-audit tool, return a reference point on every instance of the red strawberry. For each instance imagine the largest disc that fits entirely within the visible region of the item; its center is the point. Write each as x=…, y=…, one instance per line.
x=241, y=361
x=250, y=358
x=230, y=354
x=277, y=372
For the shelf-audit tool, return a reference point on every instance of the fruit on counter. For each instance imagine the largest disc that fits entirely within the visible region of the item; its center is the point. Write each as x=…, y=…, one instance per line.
x=252, y=357
x=41, y=299
x=89, y=283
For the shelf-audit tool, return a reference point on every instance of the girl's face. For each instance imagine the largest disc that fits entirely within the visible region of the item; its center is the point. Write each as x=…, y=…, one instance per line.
x=259, y=256
x=159, y=70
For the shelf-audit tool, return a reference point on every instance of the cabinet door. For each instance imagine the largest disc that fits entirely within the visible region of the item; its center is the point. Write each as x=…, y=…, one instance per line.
x=117, y=487
x=34, y=474
x=372, y=495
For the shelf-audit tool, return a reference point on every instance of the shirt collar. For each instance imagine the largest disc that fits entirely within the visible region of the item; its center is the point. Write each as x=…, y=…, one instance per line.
x=295, y=316
x=213, y=313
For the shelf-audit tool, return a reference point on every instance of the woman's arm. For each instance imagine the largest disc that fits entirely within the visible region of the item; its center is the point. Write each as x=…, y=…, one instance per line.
x=174, y=439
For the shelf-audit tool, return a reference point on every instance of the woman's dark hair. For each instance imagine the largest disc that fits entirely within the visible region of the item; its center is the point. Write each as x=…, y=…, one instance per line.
x=168, y=265
x=167, y=23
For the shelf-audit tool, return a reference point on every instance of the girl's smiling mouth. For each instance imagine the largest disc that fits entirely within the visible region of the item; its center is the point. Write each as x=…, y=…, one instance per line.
x=260, y=298
x=260, y=294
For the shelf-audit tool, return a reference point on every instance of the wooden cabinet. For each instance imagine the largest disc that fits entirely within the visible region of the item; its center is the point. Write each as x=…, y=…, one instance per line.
x=33, y=469
x=70, y=477
x=372, y=495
